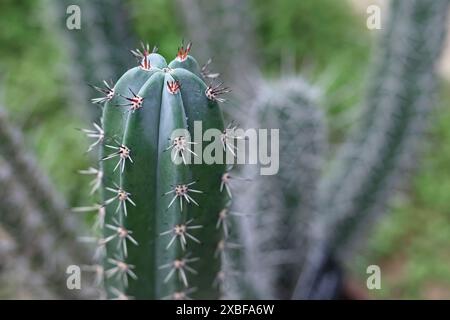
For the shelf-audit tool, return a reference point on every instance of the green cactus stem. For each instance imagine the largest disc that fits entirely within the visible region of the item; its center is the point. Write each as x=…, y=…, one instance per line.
x=161, y=209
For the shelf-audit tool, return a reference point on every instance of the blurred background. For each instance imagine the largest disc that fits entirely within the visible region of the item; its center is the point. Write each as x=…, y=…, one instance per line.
x=337, y=60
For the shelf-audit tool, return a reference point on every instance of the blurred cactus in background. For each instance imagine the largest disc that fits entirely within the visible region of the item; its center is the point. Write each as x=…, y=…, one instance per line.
x=378, y=157
x=16, y=276
x=33, y=212
x=283, y=203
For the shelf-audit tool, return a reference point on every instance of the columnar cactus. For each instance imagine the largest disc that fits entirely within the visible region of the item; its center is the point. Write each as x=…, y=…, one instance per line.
x=375, y=160
x=163, y=229
x=284, y=202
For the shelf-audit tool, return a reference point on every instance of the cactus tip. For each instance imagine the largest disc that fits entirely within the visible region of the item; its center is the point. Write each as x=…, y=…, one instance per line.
x=183, y=52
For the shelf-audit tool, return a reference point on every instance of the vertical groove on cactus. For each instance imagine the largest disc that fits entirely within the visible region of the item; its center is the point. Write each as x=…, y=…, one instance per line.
x=372, y=164
x=283, y=203
x=161, y=238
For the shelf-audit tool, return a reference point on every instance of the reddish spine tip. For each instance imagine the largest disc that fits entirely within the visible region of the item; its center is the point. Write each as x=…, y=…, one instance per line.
x=184, y=52
x=173, y=86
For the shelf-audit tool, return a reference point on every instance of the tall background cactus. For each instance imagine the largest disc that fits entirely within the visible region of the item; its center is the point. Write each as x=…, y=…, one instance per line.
x=283, y=204
x=373, y=163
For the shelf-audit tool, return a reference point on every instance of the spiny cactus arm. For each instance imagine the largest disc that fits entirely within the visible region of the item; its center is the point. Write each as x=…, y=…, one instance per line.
x=208, y=178
x=160, y=204
x=374, y=162
x=170, y=207
x=117, y=112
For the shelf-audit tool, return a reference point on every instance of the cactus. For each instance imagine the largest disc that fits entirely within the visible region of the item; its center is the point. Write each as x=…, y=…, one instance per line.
x=284, y=202
x=373, y=163
x=163, y=222
x=142, y=190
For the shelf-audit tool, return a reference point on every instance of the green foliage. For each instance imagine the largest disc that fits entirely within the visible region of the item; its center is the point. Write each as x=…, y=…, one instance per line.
x=310, y=29
x=154, y=20
x=42, y=110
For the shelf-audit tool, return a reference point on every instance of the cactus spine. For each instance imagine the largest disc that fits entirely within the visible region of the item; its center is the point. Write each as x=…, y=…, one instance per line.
x=161, y=230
